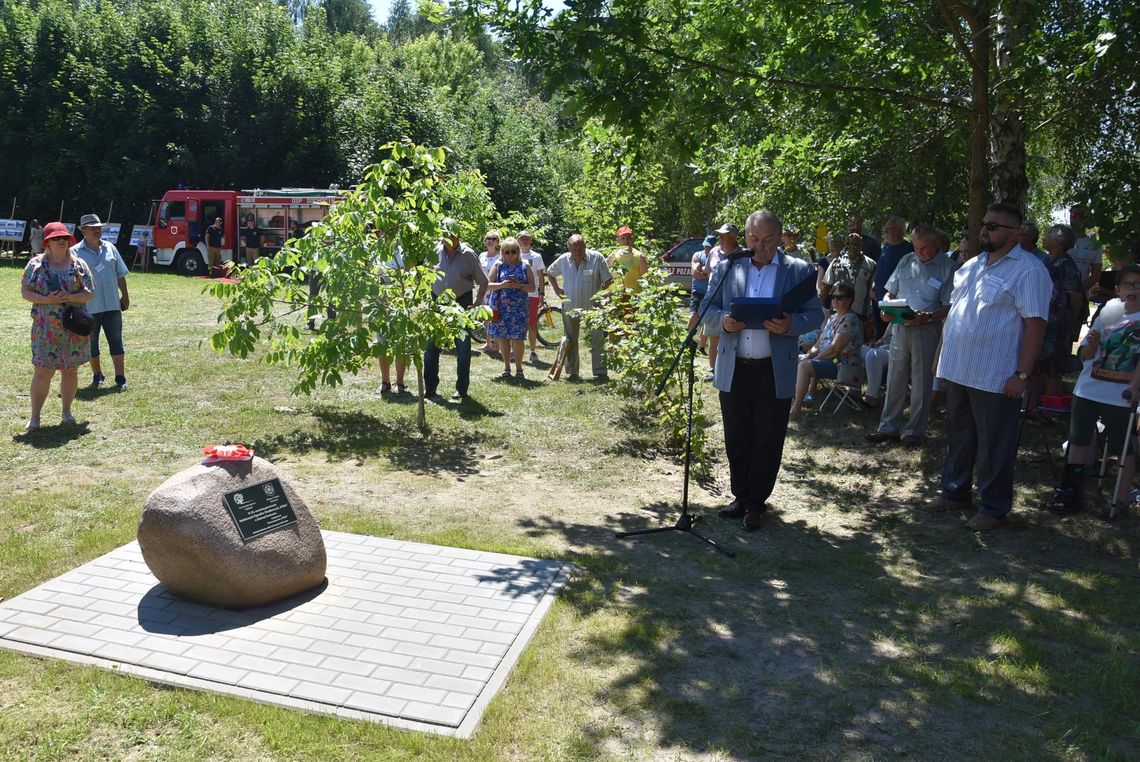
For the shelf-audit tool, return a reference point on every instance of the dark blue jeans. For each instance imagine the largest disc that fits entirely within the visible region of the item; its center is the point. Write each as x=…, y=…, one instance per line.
x=462, y=360
x=110, y=323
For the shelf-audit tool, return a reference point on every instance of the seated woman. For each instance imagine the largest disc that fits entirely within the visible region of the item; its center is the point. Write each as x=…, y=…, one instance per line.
x=837, y=348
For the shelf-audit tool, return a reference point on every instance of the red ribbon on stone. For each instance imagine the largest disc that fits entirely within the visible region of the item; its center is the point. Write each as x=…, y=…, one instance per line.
x=228, y=452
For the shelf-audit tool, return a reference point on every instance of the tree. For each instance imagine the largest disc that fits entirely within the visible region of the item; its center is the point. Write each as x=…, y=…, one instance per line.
x=350, y=17
x=921, y=76
x=398, y=207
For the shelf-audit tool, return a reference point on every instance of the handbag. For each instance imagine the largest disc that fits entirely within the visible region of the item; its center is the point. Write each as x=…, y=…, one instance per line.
x=78, y=320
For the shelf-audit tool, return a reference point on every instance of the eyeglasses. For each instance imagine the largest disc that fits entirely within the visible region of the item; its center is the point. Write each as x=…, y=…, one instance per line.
x=992, y=226
x=1131, y=285
x=491, y=238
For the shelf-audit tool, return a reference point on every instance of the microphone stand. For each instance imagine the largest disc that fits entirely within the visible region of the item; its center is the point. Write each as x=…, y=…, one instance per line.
x=686, y=521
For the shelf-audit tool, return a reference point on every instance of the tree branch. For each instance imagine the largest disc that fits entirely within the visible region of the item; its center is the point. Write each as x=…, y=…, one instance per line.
x=785, y=82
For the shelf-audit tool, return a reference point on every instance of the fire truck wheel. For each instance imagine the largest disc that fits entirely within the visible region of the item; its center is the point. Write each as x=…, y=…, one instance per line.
x=189, y=262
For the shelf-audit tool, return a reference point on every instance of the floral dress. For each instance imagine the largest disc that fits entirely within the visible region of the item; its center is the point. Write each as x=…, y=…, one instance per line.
x=512, y=304
x=850, y=356
x=53, y=346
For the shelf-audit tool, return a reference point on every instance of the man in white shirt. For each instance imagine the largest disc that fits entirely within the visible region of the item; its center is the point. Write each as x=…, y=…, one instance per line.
x=585, y=274
x=538, y=294
x=990, y=342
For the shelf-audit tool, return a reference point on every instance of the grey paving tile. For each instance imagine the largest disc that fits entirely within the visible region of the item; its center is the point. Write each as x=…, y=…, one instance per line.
x=459, y=701
x=347, y=666
x=437, y=667
x=418, y=649
x=72, y=614
x=120, y=652
x=430, y=712
x=384, y=658
x=359, y=683
x=455, y=684
x=31, y=619
x=6, y=628
x=416, y=693
x=75, y=643
x=343, y=650
x=404, y=676
x=120, y=637
x=321, y=692
x=166, y=662
x=268, y=683
x=218, y=673
x=370, y=702
x=407, y=636
x=33, y=635
x=477, y=673
x=212, y=655
x=80, y=629
x=473, y=659
x=286, y=641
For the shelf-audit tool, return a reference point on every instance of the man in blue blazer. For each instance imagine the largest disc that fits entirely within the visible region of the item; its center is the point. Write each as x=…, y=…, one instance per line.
x=756, y=368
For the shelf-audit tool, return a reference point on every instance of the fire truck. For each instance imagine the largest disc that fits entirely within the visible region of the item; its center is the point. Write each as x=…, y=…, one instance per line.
x=182, y=216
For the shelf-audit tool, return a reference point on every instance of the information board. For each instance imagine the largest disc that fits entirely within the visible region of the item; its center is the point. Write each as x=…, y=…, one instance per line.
x=12, y=230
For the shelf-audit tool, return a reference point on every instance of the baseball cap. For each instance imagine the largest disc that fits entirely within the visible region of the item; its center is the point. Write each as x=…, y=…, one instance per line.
x=625, y=230
x=710, y=240
x=525, y=234
x=728, y=227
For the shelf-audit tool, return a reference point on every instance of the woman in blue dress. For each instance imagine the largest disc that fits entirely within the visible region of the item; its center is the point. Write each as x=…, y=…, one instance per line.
x=511, y=281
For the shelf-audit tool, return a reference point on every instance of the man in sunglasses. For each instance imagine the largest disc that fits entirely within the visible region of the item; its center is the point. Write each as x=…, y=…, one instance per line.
x=990, y=342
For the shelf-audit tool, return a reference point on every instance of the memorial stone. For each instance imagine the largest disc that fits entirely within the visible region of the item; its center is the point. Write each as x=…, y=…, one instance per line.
x=231, y=534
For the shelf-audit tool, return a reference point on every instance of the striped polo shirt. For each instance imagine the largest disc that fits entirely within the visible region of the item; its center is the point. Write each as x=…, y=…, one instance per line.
x=981, y=338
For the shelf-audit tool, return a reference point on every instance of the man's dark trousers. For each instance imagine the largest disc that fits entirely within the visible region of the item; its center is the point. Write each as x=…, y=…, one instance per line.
x=755, y=424
x=981, y=428
x=462, y=359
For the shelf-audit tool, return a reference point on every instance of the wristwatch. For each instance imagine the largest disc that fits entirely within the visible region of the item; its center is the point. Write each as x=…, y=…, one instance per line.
x=1022, y=375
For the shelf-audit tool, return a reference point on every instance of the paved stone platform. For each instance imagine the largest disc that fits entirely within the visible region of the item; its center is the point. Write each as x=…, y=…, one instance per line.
x=411, y=635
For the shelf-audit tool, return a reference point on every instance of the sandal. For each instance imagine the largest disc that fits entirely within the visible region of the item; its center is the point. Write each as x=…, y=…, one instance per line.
x=385, y=388
x=505, y=374
x=401, y=389
x=519, y=373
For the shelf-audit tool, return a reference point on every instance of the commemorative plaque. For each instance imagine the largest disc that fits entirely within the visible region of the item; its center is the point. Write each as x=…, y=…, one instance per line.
x=259, y=509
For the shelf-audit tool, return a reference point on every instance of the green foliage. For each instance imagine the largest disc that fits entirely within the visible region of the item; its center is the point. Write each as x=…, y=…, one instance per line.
x=397, y=208
x=643, y=332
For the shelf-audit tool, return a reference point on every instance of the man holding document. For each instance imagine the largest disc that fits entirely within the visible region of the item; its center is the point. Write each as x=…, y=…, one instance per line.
x=760, y=302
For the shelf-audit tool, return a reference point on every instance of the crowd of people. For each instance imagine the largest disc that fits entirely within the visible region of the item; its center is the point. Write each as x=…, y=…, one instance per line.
x=894, y=322
x=993, y=332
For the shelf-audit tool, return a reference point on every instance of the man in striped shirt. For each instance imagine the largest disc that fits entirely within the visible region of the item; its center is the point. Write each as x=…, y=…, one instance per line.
x=990, y=342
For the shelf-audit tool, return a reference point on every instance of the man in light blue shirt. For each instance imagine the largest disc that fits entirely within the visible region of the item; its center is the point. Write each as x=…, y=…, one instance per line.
x=111, y=298
x=990, y=343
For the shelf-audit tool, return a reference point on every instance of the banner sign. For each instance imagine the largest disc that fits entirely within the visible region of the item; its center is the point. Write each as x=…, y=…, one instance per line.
x=12, y=230
x=137, y=233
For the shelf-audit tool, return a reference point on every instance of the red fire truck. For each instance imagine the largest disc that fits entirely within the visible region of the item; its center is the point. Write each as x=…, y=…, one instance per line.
x=182, y=217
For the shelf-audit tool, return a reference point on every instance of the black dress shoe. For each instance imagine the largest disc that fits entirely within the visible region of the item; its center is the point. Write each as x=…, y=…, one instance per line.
x=752, y=520
x=733, y=510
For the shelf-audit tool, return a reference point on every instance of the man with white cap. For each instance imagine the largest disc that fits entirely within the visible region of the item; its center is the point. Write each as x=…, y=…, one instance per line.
x=111, y=299
x=538, y=294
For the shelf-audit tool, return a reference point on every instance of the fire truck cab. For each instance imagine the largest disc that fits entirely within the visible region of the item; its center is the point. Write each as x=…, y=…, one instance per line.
x=182, y=216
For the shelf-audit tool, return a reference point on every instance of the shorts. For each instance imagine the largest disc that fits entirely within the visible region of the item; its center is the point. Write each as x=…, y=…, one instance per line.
x=825, y=369
x=111, y=323
x=695, y=300
x=532, y=311
x=1082, y=424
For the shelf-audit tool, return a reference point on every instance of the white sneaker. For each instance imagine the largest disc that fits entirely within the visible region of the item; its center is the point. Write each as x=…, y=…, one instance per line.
x=32, y=425
x=66, y=419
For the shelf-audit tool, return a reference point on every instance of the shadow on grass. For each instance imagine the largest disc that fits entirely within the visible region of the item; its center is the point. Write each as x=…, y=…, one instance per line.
x=50, y=437
x=356, y=434
x=898, y=635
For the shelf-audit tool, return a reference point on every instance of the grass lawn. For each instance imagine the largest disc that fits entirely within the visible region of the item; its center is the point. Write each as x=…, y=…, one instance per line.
x=852, y=626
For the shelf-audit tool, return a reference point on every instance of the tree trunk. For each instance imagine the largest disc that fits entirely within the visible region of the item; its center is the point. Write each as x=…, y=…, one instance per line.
x=1008, y=133
x=979, y=134
x=421, y=411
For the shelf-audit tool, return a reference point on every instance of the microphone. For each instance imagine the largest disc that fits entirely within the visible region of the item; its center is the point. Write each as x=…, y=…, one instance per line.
x=739, y=254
